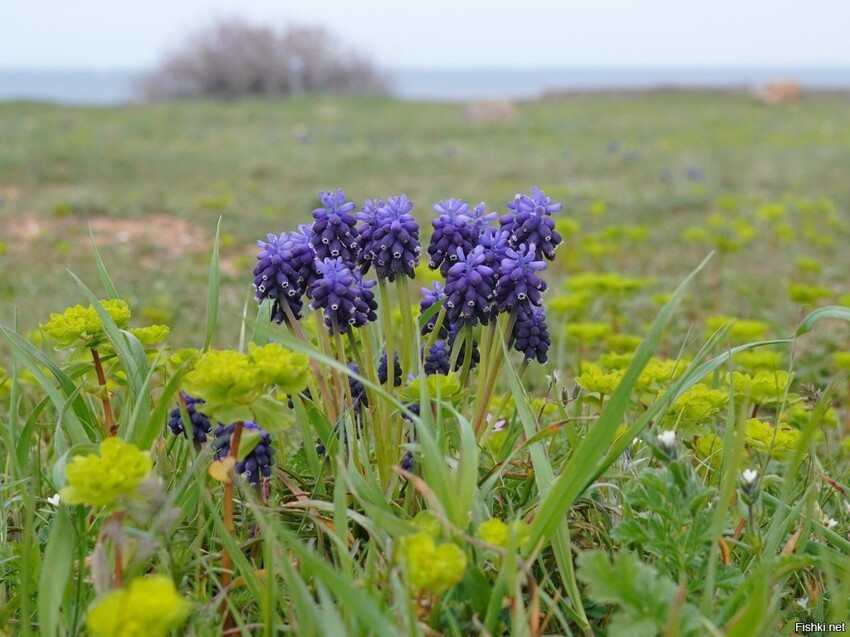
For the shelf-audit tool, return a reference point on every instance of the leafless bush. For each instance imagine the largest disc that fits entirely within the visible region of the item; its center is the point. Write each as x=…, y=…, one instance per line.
x=232, y=59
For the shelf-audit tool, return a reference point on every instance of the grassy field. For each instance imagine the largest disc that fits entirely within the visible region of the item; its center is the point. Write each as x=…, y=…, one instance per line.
x=680, y=466
x=158, y=178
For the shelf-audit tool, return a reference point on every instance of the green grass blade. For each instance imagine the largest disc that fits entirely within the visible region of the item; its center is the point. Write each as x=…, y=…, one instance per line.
x=213, y=290
x=582, y=464
x=108, y=285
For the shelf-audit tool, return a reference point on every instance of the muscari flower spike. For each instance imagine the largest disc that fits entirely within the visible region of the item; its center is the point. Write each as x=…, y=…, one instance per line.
x=346, y=301
x=454, y=228
x=437, y=359
x=278, y=274
x=366, y=306
x=258, y=463
x=432, y=295
x=382, y=369
x=469, y=288
x=495, y=243
x=334, y=232
x=531, y=334
x=368, y=216
x=394, y=242
x=201, y=425
x=518, y=280
x=531, y=222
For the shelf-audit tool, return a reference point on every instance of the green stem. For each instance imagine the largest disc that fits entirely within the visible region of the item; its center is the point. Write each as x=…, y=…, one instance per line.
x=438, y=325
x=386, y=319
x=493, y=373
x=408, y=333
x=467, y=354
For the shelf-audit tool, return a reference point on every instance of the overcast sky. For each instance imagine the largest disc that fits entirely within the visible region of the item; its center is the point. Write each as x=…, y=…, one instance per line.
x=123, y=34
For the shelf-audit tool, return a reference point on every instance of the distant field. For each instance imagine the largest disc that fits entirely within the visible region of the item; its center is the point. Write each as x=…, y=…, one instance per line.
x=153, y=181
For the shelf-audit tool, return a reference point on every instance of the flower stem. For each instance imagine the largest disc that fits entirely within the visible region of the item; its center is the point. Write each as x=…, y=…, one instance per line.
x=227, y=509
x=295, y=327
x=467, y=354
x=111, y=427
x=386, y=319
x=438, y=325
x=493, y=372
x=408, y=334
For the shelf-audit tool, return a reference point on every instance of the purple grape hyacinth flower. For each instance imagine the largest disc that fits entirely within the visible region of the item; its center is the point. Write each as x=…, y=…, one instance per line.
x=454, y=228
x=531, y=334
x=469, y=288
x=258, y=463
x=495, y=243
x=279, y=276
x=343, y=298
x=437, y=359
x=531, y=222
x=368, y=216
x=394, y=242
x=201, y=425
x=518, y=280
x=383, y=369
x=334, y=232
x=432, y=295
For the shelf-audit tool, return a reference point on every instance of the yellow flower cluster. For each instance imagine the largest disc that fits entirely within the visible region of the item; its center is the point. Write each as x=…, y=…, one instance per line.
x=740, y=330
x=695, y=406
x=763, y=388
x=430, y=567
x=80, y=325
x=147, y=607
x=228, y=377
x=597, y=381
x=780, y=442
x=498, y=533
x=102, y=480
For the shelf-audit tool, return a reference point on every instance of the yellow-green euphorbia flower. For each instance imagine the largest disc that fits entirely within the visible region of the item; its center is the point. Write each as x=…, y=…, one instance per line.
x=102, y=480
x=148, y=607
x=81, y=326
x=430, y=567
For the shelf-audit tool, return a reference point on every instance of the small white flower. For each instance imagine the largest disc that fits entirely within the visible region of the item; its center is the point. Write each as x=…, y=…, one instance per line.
x=831, y=523
x=54, y=499
x=667, y=438
x=750, y=476
x=802, y=602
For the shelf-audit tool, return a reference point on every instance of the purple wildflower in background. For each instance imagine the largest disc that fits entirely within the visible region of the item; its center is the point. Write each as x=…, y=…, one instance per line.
x=357, y=389
x=383, y=369
x=336, y=292
x=258, y=463
x=432, y=295
x=394, y=243
x=437, y=359
x=469, y=288
x=201, y=425
x=518, y=282
x=531, y=334
x=453, y=228
x=531, y=222
x=278, y=275
x=334, y=232
x=368, y=216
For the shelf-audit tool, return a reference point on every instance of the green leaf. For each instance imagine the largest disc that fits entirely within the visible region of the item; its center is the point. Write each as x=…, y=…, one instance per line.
x=58, y=560
x=227, y=414
x=212, y=290
x=109, y=286
x=250, y=439
x=429, y=313
x=270, y=414
x=831, y=312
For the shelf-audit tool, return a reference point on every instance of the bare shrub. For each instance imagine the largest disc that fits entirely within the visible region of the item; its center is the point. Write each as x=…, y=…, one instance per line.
x=232, y=58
